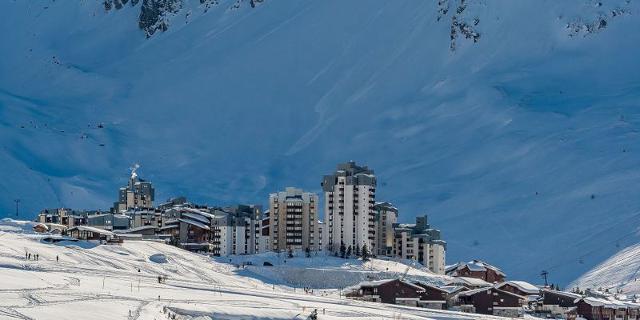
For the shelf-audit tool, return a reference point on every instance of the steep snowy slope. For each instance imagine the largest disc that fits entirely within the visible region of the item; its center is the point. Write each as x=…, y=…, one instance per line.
x=621, y=272
x=514, y=124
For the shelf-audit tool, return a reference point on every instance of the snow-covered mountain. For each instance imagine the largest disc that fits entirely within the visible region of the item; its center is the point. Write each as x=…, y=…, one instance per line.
x=620, y=273
x=513, y=124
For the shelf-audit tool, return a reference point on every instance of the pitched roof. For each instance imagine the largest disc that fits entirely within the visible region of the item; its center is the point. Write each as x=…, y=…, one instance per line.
x=476, y=291
x=453, y=289
x=474, y=265
x=376, y=283
x=195, y=223
x=92, y=229
x=475, y=282
x=563, y=293
x=522, y=286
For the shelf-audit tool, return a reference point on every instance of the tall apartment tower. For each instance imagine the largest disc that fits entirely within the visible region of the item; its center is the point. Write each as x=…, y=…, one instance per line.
x=293, y=220
x=137, y=193
x=349, y=197
x=386, y=216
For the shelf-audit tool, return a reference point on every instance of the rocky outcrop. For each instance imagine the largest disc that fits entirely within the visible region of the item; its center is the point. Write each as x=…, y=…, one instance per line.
x=155, y=15
x=462, y=25
x=602, y=16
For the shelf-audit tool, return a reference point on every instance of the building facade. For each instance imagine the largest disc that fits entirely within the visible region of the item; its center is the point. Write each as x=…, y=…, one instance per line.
x=349, y=217
x=293, y=220
x=386, y=217
x=137, y=194
x=421, y=243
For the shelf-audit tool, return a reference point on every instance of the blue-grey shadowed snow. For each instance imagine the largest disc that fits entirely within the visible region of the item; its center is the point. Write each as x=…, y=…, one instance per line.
x=522, y=147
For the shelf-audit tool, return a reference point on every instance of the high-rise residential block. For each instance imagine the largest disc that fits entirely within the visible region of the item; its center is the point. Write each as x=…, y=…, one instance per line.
x=349, y=197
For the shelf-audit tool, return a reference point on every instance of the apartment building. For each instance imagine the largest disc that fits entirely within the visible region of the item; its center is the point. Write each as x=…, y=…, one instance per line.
x=349, y=197
x=420, y=242
x=293, y=220
x=137, y=194
x=386, y=217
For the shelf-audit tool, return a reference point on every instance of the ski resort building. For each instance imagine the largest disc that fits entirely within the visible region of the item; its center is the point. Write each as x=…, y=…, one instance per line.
x=61, y=216
x=349, y=197
x=421, y=243
x=386, y=217
x=521, y=288
x=393, y=291
x=293, y=220
x=492, y=301
x=221, y=231
x=476, y=269
x=592, y=308
x=137, y=193
x=558, y=304
x=108, y=221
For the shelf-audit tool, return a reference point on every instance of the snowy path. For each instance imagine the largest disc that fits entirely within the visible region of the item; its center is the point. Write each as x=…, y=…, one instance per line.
x=104, y=283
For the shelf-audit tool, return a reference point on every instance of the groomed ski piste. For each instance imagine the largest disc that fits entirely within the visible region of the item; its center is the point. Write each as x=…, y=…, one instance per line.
x=620, y=273
x=93, y=281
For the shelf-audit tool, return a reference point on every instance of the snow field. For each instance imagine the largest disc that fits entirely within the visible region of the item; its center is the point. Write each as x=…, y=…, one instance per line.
x=103, y=282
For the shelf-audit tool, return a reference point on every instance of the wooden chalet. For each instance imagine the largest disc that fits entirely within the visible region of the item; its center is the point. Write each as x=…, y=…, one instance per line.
x=492, y=301
x=558, y=304
x=592, y=308
x=393, y=291
x=476, y=269
x=433, y=297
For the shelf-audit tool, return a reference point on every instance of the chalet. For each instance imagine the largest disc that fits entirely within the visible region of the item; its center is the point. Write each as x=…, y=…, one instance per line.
x=476, y=269
x=491, y=301
x=91, y=233
x=592, y=308
x=524, y=289
x=433, y=297
x=558, y=303
x=520, y=288
x=393, y=291
x=452, y=294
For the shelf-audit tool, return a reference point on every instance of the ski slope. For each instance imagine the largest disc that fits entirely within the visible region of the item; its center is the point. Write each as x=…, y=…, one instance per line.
x=103, y=282
x=521, y=146
x=621, y=272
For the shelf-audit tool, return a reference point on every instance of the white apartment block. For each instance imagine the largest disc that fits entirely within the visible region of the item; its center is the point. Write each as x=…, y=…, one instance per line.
x=349, y=197
x=293, y=220
x=421, y=243
x=386, y=217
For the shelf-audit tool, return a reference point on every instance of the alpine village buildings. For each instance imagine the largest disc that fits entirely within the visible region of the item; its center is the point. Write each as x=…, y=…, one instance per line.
x=354, y=224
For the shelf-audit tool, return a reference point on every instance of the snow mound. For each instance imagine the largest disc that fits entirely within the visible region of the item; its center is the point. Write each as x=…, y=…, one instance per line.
x=17, y=226
x=324, y=271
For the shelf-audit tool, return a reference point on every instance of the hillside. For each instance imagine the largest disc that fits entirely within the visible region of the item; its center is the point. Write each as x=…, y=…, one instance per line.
x=120, y=282
x=514, y=124
x=620, y=272
x=322, y=271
